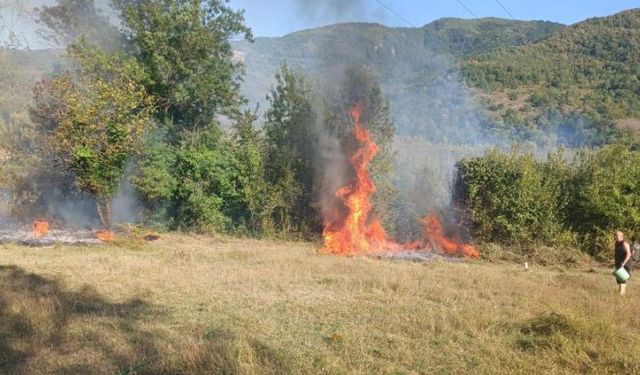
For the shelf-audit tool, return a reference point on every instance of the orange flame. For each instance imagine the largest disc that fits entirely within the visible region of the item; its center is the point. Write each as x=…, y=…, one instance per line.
x=361, y=233
x=40, y=228
x=105, y=235
x=436, y=240
x=356, y=233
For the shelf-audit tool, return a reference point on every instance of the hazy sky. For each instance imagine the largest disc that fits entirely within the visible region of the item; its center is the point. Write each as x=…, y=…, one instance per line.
x=275, y=18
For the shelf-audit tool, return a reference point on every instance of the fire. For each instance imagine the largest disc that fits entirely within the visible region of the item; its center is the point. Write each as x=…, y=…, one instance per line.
x=105, y=235
x=357, y=233
x=40, y=228
x=436, y=240
x=360, y=232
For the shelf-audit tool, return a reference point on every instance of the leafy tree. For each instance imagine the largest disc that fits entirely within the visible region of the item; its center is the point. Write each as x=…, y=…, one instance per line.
x=209, y=191
x=97, y=118
x=189, y=172
x=184, y=47
x=257, y=199
x=291, y=132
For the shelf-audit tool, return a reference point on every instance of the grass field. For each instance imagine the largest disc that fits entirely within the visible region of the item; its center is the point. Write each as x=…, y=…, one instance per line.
x=188, y=304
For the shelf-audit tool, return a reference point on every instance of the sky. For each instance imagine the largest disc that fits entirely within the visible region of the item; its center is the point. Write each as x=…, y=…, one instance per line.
x=276, y=18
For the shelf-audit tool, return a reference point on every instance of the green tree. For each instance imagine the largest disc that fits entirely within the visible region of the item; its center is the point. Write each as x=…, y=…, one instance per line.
x=257, y=198
x=97, y=120
x=292, y=150
x=190, y=173
x=185, y=49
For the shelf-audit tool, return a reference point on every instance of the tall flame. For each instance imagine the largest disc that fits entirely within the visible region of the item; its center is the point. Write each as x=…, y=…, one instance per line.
x=359, y=232
x=356, y=233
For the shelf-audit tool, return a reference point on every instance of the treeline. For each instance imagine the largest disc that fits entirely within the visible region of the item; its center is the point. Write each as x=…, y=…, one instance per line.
x=515, y=199
x=161, y=110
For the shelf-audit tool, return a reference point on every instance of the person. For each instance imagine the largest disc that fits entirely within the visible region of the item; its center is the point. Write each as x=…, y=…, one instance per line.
x=622, y=258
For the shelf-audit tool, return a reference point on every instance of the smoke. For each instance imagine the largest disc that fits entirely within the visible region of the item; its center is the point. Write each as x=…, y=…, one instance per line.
x=332, y=11
x=127, y=208
x=64, y=21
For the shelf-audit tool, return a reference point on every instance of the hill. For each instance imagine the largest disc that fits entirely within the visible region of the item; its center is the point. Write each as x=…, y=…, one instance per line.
x=529, y=79
x=415, y=66
x=589, y=70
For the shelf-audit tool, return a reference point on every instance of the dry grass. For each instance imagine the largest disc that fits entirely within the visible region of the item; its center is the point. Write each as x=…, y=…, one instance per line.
x=187, y=304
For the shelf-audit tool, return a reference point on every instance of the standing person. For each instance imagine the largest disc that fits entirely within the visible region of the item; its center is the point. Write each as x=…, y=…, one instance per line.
x=622, y=258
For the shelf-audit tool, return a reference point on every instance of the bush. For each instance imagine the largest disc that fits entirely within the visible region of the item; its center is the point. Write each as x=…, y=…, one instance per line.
x=605, y=195
x=511, y=197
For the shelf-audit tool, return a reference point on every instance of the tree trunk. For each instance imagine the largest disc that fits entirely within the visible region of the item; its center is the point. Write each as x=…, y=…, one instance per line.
x=104, y=210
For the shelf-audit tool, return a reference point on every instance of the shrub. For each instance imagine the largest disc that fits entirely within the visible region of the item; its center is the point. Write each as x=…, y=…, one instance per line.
x=605, y=195
x=511, y=197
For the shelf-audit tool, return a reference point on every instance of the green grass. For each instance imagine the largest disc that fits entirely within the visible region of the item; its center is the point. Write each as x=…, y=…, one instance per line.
x=187, y=304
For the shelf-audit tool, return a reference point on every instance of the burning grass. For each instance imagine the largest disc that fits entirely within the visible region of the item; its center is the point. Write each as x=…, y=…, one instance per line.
x=186, y=304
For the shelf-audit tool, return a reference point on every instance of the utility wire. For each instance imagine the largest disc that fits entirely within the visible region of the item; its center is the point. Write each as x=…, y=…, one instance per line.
x=465, y=7
x=505, y=9
x=395, y=13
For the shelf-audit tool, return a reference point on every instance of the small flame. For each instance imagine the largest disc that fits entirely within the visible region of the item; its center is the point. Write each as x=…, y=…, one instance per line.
x=436, y=240
x=105, y=235
x=40, y=228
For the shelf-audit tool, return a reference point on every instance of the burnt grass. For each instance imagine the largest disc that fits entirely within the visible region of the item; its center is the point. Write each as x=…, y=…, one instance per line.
x=208, y=305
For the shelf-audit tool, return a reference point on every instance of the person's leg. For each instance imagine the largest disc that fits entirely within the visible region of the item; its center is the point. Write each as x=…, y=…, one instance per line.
x=623, y=288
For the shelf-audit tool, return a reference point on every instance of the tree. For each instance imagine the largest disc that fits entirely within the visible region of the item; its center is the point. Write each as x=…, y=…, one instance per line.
x=184, y=47
x=257, y=199
x=97, y=118
x=291, y=149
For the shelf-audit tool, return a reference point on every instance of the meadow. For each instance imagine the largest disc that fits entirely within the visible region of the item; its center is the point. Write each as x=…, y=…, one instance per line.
x=217, y=305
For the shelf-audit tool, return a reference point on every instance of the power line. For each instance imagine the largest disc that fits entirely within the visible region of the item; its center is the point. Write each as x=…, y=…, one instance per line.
x=505, y=9
x=465, y=7
x=395, y=13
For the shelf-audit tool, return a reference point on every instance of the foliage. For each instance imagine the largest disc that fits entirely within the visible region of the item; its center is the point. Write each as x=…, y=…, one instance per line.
x=257, y=196
x=512, y=198
x=97, y=120
x=606, y=194
x=291, y=147
x=209, y=189
x=185, y=49
x=591, y=68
